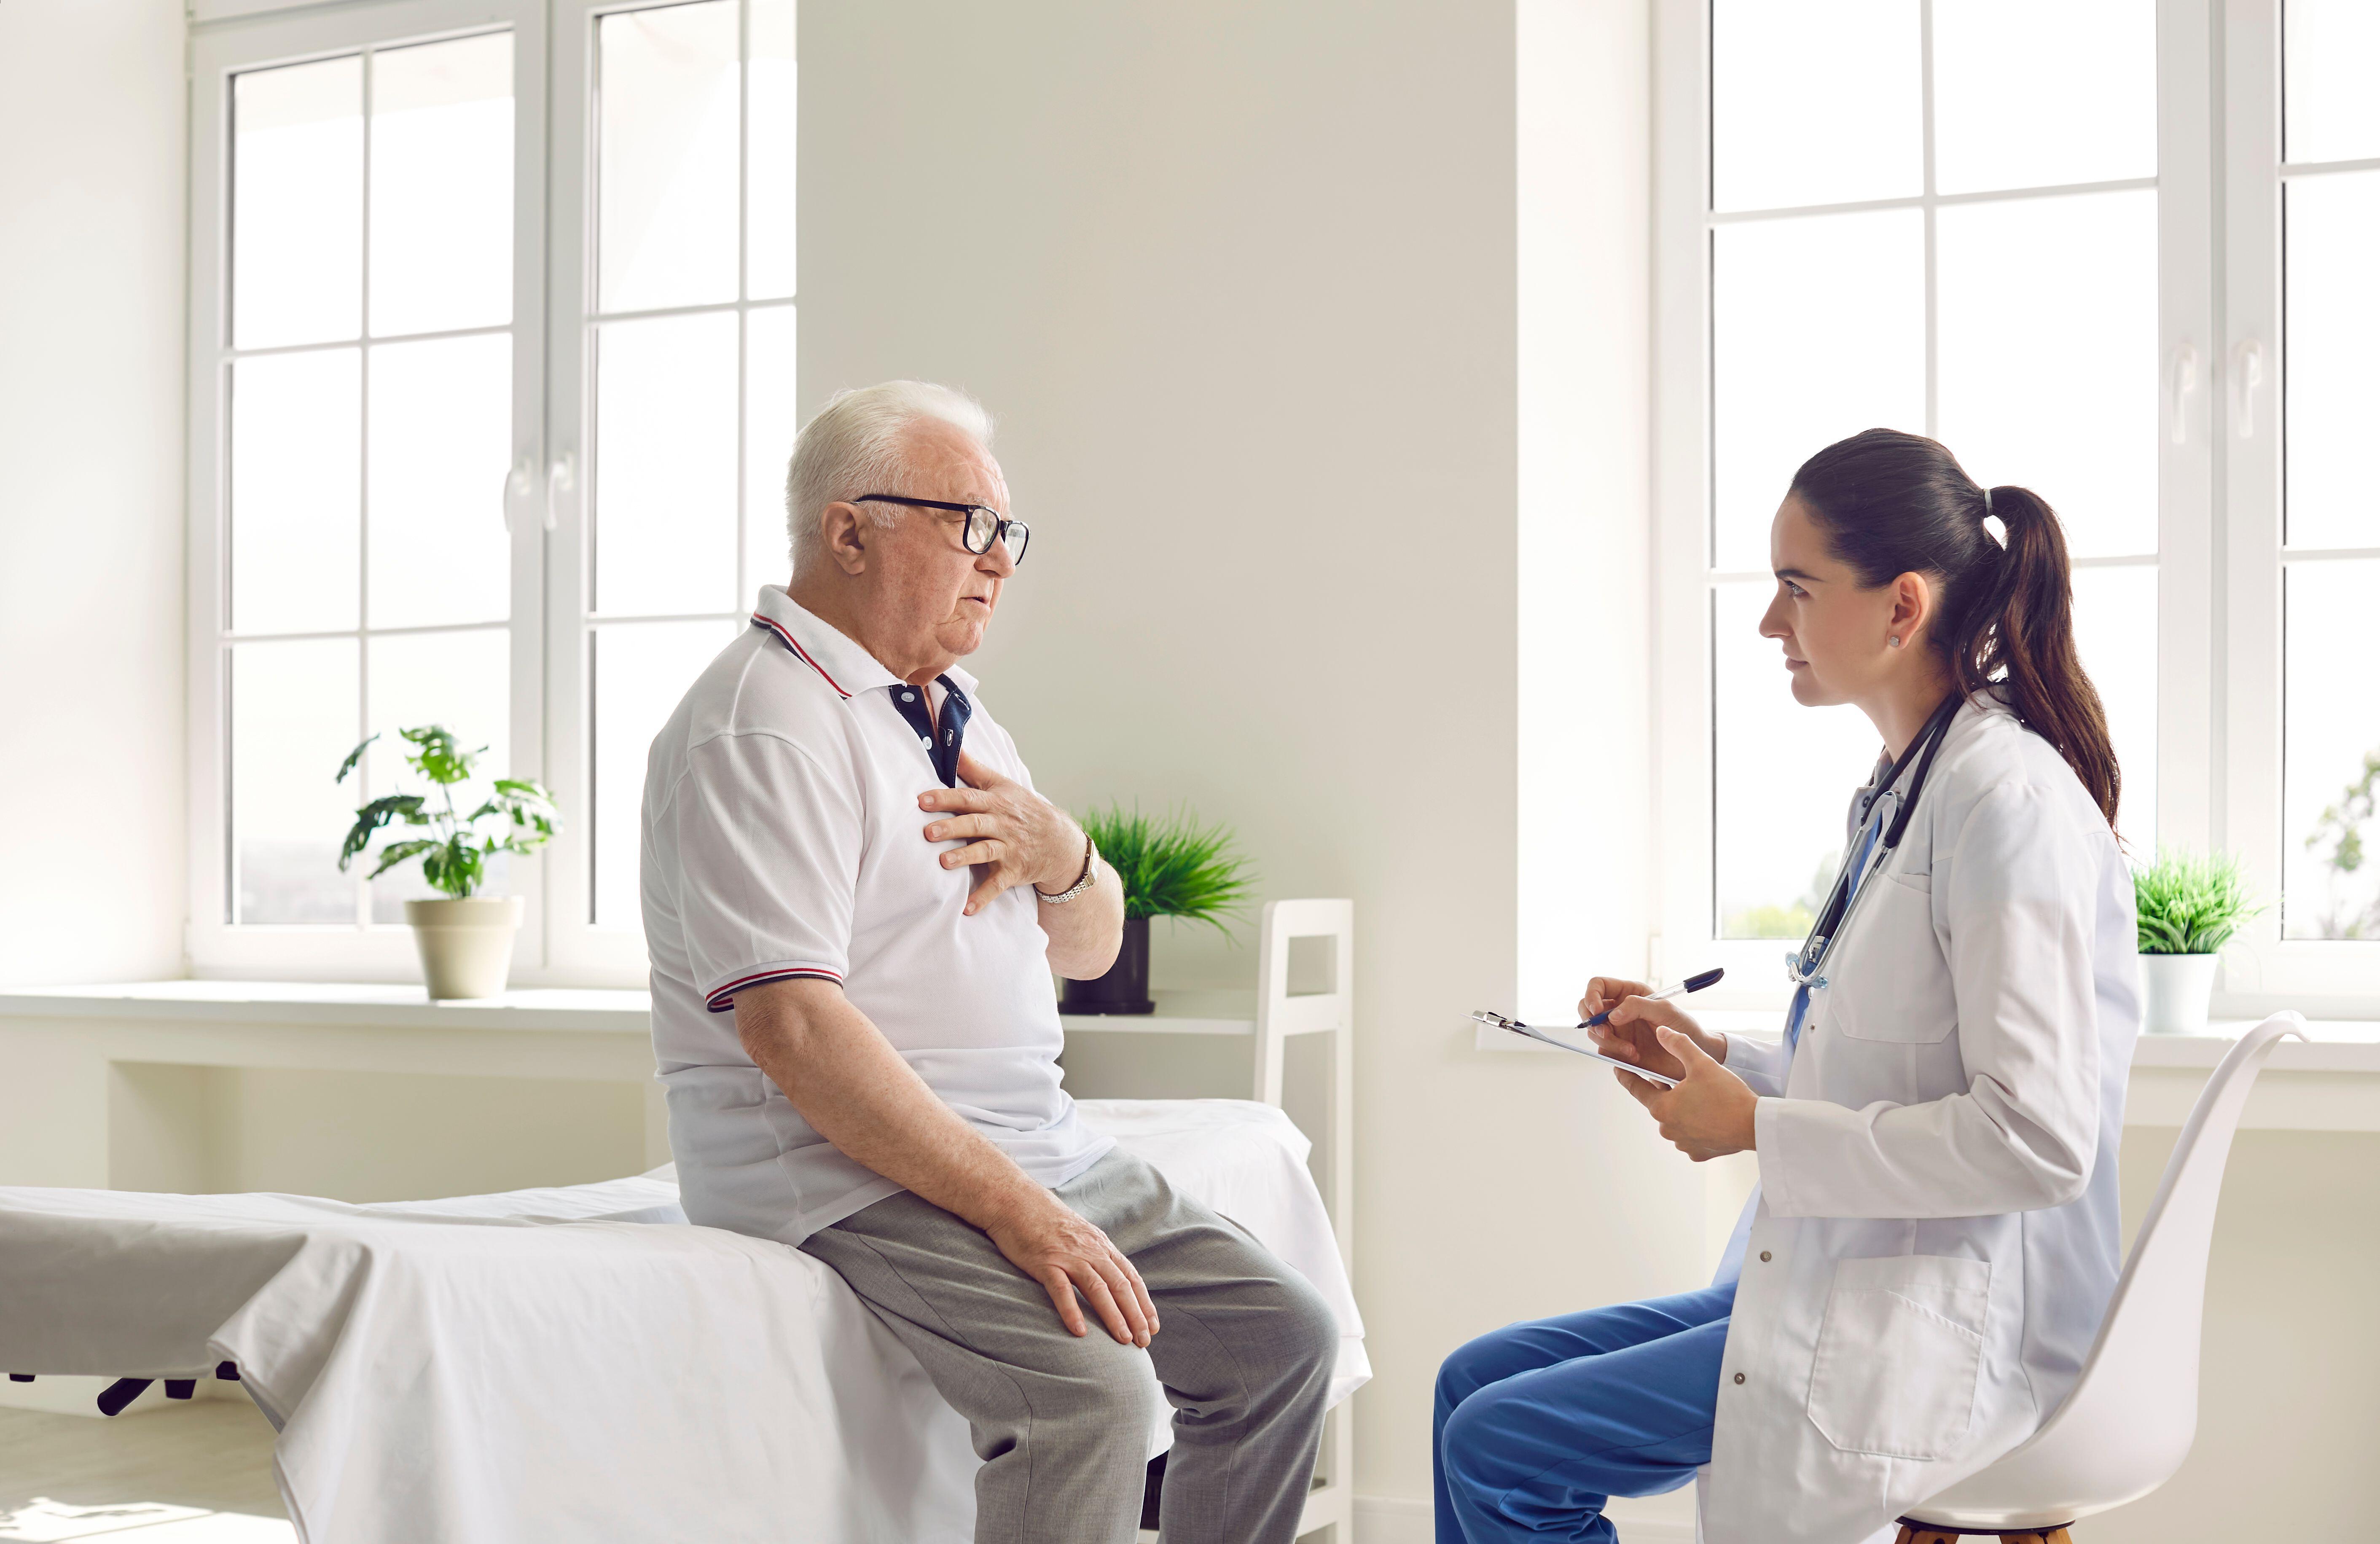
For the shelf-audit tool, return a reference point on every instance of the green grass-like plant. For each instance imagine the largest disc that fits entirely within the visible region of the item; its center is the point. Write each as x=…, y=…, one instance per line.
x=1172, y=866
x=455, y=859
x=2190, y=904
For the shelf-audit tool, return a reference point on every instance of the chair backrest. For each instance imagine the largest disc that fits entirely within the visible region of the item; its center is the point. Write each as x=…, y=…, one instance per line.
x=2134, y=1411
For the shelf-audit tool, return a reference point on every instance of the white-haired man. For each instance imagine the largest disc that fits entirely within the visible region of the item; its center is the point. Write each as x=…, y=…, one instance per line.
x=843, y=850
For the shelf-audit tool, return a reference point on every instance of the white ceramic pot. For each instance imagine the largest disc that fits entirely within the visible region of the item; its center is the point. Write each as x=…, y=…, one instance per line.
x=2174, y=990
x=467, y=946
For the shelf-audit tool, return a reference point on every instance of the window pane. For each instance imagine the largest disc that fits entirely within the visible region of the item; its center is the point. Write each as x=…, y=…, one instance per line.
x=298, y=193
x=442, y=185
x=665, y=465
x=2049, y=350
x=2029, y=93
x=293, y=720
x=1814, y=102
x=769, y=223
x=768, y=446
x=667, y=134
x=1818, y=331
x=1783, y=775
x=2330, y=751
x=441, y=445
x=2116, y=633
x=2330, y=111
x=459, y=680
x=640, y=671
x=295, y=421
x=2333, y=334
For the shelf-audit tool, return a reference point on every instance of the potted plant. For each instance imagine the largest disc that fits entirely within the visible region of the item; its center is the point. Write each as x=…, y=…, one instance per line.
x=1170, y=867
x=465, y=940
x=2189, y=908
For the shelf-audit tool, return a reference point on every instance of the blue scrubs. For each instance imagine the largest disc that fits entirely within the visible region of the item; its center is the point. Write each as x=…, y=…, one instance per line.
x=1539, y=1423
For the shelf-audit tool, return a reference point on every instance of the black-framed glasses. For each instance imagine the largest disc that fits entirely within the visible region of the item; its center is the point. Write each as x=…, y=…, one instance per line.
x=984, y=525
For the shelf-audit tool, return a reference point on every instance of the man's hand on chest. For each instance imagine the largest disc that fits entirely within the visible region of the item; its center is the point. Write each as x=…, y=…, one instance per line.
x=1013, y=836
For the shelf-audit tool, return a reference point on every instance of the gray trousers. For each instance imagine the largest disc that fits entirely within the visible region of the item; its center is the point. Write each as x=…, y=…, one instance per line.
x=1245, y=1350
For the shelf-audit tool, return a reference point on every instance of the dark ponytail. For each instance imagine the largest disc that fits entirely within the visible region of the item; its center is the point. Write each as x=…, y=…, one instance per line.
x=1890, y=504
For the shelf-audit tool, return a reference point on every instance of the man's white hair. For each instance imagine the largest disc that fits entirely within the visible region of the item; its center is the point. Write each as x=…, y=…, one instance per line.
x=854, y=446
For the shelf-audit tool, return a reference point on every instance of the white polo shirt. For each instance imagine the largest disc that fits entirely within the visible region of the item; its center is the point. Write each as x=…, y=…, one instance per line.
x=782, y=839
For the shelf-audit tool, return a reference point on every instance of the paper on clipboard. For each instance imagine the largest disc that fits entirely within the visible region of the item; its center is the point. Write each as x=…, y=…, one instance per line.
x=1535, y=1033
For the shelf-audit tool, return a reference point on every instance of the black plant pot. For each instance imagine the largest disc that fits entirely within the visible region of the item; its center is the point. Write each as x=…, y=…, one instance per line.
x=1124, y=989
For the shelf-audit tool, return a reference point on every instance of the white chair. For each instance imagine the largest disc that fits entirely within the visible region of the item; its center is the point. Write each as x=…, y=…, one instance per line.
x=2129, y=1423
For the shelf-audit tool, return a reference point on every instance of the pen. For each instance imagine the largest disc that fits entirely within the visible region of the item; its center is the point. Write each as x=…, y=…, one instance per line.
x=1692, y=983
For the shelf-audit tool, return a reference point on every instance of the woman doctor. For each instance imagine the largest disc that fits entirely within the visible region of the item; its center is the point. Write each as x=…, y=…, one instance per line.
x=1933, y=1240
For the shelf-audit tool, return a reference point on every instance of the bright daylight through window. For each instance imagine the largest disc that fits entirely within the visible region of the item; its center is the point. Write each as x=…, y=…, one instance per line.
x=2117, y=251
x=2331, y=192
x=488, y=434
x=369, y=384
x=1924, y=218
x=691, y=346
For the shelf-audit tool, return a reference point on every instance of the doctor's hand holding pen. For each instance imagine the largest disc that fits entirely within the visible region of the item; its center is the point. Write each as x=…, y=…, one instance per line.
x=1709, y=1113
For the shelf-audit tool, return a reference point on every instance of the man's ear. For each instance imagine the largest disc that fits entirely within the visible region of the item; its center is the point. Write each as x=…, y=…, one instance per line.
x=845, y=530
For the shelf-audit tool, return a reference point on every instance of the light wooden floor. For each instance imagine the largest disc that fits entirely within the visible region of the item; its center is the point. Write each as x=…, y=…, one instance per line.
x=200, y=1473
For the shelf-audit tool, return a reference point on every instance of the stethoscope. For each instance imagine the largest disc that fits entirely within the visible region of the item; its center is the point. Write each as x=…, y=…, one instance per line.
x=1801, y=966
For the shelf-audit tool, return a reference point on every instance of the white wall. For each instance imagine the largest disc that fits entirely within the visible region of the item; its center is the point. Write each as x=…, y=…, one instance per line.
x=364, y=1136
x=2287, y=1400
x=92, y=815
x=1583, y=157
x=1243, y=282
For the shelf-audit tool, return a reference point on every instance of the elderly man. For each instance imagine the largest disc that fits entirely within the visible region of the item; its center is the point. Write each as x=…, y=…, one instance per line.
x=845, y=853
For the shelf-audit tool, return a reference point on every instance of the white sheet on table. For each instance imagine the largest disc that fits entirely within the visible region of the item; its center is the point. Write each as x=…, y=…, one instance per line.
x=572, y=1362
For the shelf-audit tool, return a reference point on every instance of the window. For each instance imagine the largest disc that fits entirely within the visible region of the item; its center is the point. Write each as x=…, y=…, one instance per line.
x=485, y=432
x=2302, y=142
x=681, y=324
x=1994, y=222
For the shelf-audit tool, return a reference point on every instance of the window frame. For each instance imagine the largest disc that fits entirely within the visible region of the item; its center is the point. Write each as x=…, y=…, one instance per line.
x=2218, y=644
x=2261, y=970
x=547, y=513
x=579, y=950
x=221, y=49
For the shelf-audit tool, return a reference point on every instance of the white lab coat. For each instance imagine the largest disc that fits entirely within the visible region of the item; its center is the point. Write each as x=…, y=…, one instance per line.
x=1935, y=1235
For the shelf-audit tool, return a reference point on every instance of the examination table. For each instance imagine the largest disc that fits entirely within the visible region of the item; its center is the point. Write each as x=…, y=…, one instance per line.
x=577, y=1362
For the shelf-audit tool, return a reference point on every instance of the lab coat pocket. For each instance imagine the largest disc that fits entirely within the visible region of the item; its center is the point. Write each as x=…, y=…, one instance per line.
x=1899, y=1354
x=1888, y=979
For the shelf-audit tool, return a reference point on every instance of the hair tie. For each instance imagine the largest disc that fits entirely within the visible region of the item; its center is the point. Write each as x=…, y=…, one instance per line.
x=1994, y=526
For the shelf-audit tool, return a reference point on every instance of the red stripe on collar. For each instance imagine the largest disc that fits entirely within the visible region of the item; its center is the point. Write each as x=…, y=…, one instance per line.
x=803, y=652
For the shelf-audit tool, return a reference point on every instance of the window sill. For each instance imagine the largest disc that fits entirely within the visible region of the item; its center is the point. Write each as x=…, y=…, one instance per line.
x=336, y=1003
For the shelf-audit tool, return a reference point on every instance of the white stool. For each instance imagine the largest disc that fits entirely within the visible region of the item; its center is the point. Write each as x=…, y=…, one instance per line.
x=2129, y=1423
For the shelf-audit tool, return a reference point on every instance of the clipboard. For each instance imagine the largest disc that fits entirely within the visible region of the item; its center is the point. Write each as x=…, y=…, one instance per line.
x=1536, y=1033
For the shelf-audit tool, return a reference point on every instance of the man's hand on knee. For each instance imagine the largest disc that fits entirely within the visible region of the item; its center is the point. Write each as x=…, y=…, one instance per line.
x=1058, y=1247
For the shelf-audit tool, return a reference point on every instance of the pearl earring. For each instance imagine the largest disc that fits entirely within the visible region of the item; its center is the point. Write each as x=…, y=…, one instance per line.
x=1894, y=640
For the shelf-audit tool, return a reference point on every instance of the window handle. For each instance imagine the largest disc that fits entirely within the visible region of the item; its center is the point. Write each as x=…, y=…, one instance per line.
x=2182, y=384
x=2247, y=379
x=561, y=482
x=520, y=483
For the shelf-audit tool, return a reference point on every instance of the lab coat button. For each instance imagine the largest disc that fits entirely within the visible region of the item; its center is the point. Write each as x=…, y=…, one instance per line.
x=1738, y=1377
x=1764, y=1256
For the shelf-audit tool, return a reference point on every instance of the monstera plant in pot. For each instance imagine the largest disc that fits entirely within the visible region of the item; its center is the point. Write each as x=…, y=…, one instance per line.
x=2189, y=908
x=1171, y=866
x=466, y=938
